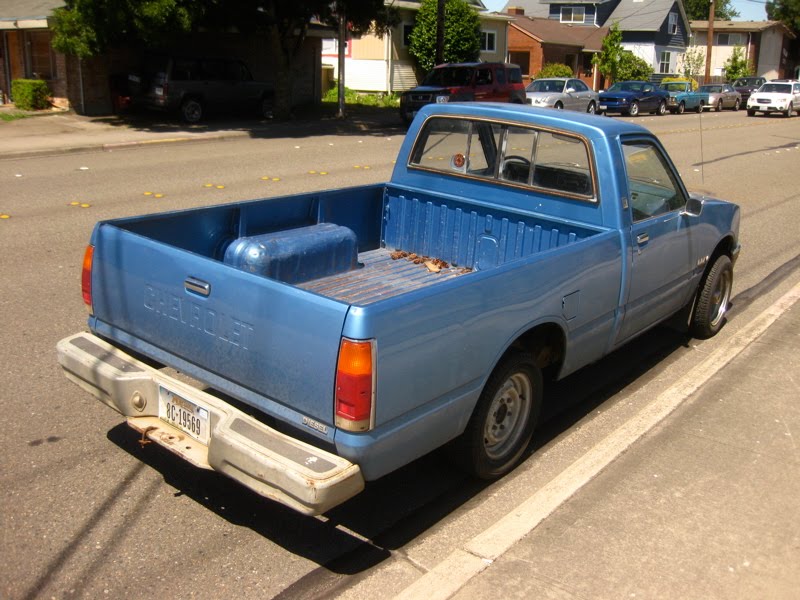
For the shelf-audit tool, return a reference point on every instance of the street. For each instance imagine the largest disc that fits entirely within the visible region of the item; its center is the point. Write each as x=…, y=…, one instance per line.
x=87, y=511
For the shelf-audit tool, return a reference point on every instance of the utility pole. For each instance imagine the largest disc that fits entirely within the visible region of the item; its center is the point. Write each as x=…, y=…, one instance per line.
x=341, y=42
x=710, y=43
x=439, y=59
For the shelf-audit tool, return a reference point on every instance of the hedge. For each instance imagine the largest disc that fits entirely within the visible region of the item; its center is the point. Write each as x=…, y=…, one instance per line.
x=30, y=94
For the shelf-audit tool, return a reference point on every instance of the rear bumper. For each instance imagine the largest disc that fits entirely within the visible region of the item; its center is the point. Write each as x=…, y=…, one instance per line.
x=272, y=464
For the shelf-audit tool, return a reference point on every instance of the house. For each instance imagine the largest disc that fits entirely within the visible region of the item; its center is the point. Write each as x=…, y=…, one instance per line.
x=654, y=30
x=376, y=63
x=766, y=46
x=87, y=86
x=534, y=42
x=25, y=51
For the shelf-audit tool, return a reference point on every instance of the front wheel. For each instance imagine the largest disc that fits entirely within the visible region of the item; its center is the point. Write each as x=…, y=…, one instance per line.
x=751, y=113
x=699, y=108
x=719, y=106
x=266, y=108
x=633, y=111
x=681, y=108
x=502, y=424
x=713, y=299
x=737, y=104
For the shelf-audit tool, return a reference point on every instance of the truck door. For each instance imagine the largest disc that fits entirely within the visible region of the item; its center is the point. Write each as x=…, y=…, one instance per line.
x=660, y=237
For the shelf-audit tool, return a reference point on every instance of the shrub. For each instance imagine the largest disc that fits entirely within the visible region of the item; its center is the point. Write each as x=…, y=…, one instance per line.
x=695, y=85
x=30, y=94
x=554, y=70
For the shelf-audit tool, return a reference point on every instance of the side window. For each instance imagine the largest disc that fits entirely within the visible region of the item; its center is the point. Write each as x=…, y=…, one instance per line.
x=457, y=146
x=501, y=75
x=652, y=187
x=561, y=164
x=579, y=86
x=483, y=77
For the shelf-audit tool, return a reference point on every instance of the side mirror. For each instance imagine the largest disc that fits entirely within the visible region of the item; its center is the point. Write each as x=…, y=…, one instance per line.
x=694, y=206
x=570, y=90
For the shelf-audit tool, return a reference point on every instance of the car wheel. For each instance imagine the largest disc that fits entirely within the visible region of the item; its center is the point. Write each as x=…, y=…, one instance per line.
x=788, y=112
x=699, y=108
x=662, y=109
x=558, y=106
x=719, y=106
x=501, y=426
x=713, y=298
x=192, y=110
x=591, y=109
x=737, y=104
x=266, y=108
x=681, y=108
x=751, y=113
x=634, y=109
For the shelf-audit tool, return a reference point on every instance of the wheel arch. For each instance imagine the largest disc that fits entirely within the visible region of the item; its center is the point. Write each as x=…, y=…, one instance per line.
x=547, y=342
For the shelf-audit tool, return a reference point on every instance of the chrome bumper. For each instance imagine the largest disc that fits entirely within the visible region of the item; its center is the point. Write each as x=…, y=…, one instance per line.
x=272, y=464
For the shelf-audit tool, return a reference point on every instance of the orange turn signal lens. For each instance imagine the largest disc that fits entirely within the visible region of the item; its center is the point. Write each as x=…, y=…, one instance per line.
x=86, y=277
x=354, y=385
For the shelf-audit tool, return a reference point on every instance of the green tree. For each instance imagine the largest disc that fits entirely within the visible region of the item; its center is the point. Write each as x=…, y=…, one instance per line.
x=462, y=34
x=632, y=67
x=89, y=27
x=786, y=11
x=737, y=65
x=697, y=10
x=694, y=59
x=608, y=59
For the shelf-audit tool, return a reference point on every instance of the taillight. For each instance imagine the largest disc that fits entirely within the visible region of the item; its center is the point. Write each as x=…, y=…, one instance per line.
x=86, y=277
x=355, y=378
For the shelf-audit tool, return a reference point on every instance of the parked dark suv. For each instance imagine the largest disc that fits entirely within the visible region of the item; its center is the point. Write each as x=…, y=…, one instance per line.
x=194, y=86
x=453, y=82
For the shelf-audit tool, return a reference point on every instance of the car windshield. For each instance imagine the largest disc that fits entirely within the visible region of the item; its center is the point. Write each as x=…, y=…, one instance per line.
x=626, y=86
x=546, y=85
x=746, y=82
x=674, y=87
x=454, y=76
x=711, y=89
x=776, y=88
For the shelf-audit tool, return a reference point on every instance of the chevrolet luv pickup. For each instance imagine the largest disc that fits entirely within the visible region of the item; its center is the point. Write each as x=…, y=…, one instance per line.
x=303, y=345
x=682, y=97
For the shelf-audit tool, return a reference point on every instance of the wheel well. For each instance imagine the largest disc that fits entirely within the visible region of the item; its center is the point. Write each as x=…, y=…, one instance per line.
x=724, y=247
x=547, y=344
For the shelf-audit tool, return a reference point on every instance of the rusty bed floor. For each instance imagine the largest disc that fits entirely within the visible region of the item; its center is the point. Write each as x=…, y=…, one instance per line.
x=381, y=277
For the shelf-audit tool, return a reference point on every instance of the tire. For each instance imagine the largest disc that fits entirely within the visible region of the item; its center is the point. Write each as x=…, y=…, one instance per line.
x=788, y=112
x=265, y=108
x=713, y=298
x=502, y=423
x=737, y=104
x=681, y=108
x=633, y=111
x=719, y=106
x=751, y=113
x=191, y=110
x=662, y=109
x=558, y=106
x=699, y=108
x=592, y=108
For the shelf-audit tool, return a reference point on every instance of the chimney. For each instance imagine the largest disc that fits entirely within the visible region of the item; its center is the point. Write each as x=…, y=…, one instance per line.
x=515, y=11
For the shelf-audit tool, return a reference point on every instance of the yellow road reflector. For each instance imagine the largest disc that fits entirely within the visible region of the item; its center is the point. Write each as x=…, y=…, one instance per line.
x=85, y=205
x=5, y=216
x=158, y=195
x=208, y=185
x=276, y=179
x=74, y=203
x=148, y=193
x=220, y=187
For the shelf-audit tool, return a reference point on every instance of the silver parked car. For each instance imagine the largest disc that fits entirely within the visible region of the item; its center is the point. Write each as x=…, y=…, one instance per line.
x=562, y=92
x=721, y=95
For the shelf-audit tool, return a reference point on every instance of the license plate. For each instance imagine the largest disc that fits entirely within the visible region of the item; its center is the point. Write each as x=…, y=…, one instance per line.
x=183, y=414
x=603, y=107
x=159, y=91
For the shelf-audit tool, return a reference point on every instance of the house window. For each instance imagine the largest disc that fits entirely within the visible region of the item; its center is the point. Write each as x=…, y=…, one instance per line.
x=40, y=63
x=730, y=39
x=488, y=41
x=673, y=23
x=407, y=29
x=664, y=62
x=573, y=14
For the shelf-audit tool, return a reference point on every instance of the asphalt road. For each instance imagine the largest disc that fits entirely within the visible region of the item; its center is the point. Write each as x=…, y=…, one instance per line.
x=86, y=512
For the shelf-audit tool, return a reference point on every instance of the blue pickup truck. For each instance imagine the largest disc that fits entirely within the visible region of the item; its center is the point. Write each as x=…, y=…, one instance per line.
x=303, y=345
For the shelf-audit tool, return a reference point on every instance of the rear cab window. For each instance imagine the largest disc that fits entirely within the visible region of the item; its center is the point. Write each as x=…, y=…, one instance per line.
x=555, y=162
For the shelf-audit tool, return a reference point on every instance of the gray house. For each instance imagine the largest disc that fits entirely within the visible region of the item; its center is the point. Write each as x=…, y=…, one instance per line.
x=655, y=30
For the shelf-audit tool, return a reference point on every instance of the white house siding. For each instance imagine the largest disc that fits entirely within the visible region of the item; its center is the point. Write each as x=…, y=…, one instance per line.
x=361, y=75
x=403, y=76
x=646, y=52
x=770, y=53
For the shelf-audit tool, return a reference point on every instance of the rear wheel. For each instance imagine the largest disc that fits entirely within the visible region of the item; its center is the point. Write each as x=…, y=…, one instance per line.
x=191, y=110
x=634, y=109
x=592, y=108
x=713, y=299
x=558, y=106
x=662, y=109
x=737, y=104
x=699, y=108
x=266, y=108
x=502, y=424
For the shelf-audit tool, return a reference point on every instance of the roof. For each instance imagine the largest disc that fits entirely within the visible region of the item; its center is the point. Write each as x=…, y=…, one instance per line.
x=644, y=15
x=741, y=26
x=26, y=14
x=549, y=31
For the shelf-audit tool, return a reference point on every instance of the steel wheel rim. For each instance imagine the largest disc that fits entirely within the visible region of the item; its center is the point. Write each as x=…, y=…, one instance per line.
x=720, y=298
x=507, y=416
x=192, y=111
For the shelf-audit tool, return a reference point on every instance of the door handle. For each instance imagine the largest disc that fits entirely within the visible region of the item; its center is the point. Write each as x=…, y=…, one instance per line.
x=197, y=286
x=642, y=238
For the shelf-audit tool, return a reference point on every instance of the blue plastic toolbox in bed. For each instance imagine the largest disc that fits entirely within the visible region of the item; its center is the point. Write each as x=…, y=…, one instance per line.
x=296, y=255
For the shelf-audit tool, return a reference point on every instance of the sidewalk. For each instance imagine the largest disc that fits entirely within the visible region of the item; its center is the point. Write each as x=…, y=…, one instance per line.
x=704, y=505
x=50, y=133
